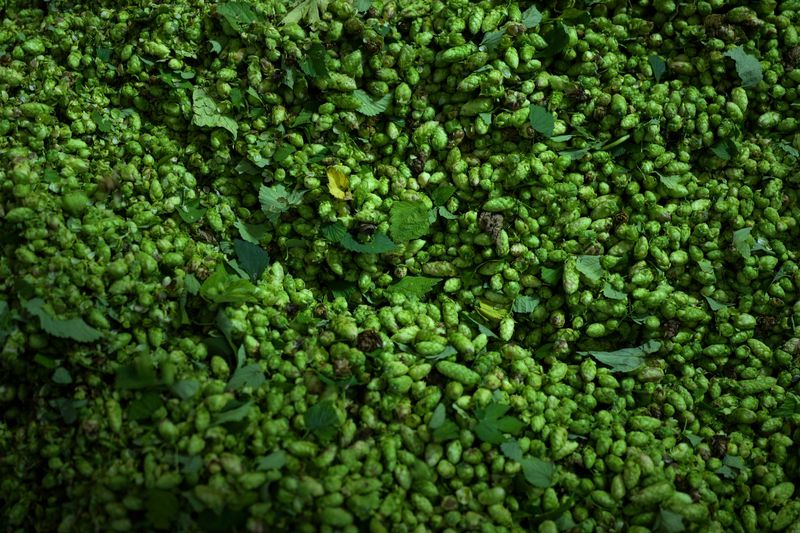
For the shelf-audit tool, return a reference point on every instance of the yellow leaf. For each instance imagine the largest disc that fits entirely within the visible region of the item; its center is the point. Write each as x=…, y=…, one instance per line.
x=490, y=312
x=338, y=183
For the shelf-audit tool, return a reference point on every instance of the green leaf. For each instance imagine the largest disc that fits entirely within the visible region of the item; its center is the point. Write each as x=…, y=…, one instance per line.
x=658, y=65
x=241, y=356
x=626, y=359
x=139, y=374
x=531, y=17
x=370, y=107
x=726, y=471
x=362, y=6
x=252, y=233
x=444, y=354
x=537, y=472
x=670, y=522
x=491, y=40
x=512, y=450
x=414, y=286
x=191, y=284
x=743, y=241
x=447, y=431
x=725, y=150
x=334, y=232
x=5, y=321
x=247, y=376
x=380, y=244
x=706, y=267
x=62, y=376
x=276, y=200
x=747, y=66
x=72, y=328
x=322, y=420
x=575, y=154
x=783, y=272
x=238, y=14
x=215, y=46
x=789, y=407
x=671, y=183
x=612, y=293
x=144, y=406
x=191, y=211
x=68, y=408
x=557, y=39
x=104, y=54
x=492, y=425
x=444, y=213
x=576, y=16
x=163, y=508
x=46, y=362
x=282, y=153
x=252, y=258
x=693, y=439
x=208, y=115
x=789, y=149
x=542, y=120
x=310, y=10
x=342, y=383
x=589, y=266
x=482, y=327
x=408, y=220
x=190, y=465
x=731, y=466
x=486, y=118
x=525, y=304
x=185, y=389
x=438, y=417
x=313, y=65
x=221, y=287
x=273, y=461
x=225, y=326
x=561, y=138
x=551, y=276
x=442, y=194
x=734, y=461
x=714, y=304
x=234, y=411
